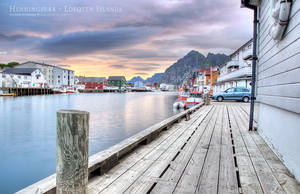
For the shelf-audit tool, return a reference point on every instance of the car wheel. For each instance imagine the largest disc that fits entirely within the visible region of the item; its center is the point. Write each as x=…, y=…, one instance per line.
x=246, y=99
x=220, y=99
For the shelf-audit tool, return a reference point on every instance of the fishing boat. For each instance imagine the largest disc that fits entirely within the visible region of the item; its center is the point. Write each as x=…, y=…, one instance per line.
x=182, y=97
x=70, y=90
x=59, y=90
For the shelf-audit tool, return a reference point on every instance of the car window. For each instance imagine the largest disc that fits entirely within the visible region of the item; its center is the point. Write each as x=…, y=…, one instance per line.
x=239, y=90
x=230, y=90
x=245, y=90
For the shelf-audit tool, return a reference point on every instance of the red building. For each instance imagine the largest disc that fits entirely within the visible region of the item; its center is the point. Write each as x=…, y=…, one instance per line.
x=93, y=82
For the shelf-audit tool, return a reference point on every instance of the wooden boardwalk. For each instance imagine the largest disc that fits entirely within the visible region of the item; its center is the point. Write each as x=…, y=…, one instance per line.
x=211, y=153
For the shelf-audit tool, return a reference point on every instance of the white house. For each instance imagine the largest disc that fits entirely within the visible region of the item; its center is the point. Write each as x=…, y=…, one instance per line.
x=278, y=79
x=24, y=78
x=0, y=80
x=237, y=72
x=56, y=76
x=139, y=84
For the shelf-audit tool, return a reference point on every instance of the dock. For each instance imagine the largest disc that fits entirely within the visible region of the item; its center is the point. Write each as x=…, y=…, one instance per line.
x=210, y=151
x=28, y=91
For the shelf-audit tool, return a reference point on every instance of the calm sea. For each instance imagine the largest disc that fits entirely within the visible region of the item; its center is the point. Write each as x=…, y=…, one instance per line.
x=27, y=128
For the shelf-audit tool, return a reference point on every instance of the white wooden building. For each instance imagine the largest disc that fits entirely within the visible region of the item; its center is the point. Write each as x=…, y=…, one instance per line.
x=0, y=80
x=278, y=80
x=237, y=72
x=23, y=78
x=56, y=76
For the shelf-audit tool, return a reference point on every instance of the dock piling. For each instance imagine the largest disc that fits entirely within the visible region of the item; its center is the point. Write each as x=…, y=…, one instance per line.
x=72, y=151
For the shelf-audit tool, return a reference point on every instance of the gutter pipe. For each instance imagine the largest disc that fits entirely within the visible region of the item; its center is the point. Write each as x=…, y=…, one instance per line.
x=254, y=61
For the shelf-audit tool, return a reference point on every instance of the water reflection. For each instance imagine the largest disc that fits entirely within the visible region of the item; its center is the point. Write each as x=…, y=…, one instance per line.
x=27, y=128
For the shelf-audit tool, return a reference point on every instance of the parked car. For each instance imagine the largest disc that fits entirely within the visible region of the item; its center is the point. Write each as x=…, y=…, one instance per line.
x=241, y=94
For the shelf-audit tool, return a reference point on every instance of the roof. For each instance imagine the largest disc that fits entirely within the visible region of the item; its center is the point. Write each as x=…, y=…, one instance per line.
x=44, y=64
x=238, y=50
x=91, y=79
x=20, y=71
x=116, y=78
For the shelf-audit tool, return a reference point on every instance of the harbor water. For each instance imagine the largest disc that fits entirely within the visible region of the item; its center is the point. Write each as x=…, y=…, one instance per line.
x=28, y=128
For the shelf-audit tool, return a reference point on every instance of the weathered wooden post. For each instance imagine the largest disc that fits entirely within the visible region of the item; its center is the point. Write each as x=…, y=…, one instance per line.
x=206, y=99
x=72, y=151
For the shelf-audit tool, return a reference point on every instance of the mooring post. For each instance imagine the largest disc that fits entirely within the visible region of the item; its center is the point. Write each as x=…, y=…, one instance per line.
x=72, y=151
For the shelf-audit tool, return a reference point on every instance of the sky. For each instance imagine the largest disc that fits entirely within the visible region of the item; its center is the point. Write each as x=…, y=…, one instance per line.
x=119, y=37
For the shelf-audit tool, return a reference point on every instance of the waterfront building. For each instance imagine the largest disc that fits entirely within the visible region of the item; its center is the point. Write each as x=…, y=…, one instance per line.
x=97, y=83
x=278, y=88
x=237, y=72
x=202, y=79
x=139, y=84
x=24, y=78
x=118, y=81
x=56, y=76
x=0, y=80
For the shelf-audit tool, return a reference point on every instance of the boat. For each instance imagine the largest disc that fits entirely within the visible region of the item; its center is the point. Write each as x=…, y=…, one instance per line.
x=70, y=90
x=182, y=97
x=194, y=99
x=59, y=90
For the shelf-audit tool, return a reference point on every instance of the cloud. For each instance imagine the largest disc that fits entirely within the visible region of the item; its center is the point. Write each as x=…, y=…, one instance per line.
x=137, y=66
x=11, y=37
x=141, y=73
x=88, y=42
x=118, y=66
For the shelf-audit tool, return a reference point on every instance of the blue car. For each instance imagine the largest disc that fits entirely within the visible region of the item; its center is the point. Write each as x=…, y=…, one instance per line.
x=241, y=94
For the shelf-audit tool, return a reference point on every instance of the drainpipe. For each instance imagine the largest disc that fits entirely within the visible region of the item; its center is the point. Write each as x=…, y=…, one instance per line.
x=246, y=3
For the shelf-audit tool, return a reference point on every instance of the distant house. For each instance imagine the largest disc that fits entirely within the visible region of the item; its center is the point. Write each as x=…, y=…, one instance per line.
x=92, y=82
x=139, y=84
x=56, y=76
x=118, y=81
x=0, y=80
x=23, y=78
x=202, y=79
x=237, y=72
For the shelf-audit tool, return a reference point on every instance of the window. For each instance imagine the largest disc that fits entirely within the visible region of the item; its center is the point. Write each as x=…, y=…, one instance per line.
x=239, y=90
x=230, y=90
x=245, y=90
x=58, y=76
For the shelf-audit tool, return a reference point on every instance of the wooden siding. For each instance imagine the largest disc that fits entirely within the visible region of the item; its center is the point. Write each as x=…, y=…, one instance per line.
x=278, y=70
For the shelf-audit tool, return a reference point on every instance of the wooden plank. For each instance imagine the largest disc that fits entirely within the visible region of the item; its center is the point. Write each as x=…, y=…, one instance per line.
x=227, y=177
x=280, y=79
x=189, y=178
x=173, y=133
x=281, y=66
x=267, y=180
x=178, y=166
x=121, y=184
x=248, y=179
x=164, y=164
x=208, y=181
x=290, y=104
x=288, y=90
x=284, y=177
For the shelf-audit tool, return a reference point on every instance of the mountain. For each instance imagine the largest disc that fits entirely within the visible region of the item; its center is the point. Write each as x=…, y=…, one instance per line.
x=135, y=79
x=155, y=78
x=192, y=62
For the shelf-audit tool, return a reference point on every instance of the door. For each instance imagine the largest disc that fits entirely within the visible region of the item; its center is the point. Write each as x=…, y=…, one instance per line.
x=238, y=94
x=229, y=94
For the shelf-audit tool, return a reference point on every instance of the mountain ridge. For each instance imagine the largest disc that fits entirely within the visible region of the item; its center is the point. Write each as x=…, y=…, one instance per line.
x=191, y=62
